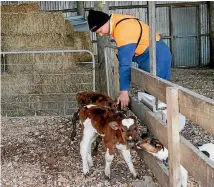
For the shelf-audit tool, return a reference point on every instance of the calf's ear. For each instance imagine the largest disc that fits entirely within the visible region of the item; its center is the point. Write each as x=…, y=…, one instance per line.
x=114, y=125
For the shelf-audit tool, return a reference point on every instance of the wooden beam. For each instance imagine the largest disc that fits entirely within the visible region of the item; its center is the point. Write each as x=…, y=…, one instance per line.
x=154, y=85
x=198, y=165
x=80, y=8
x=116, y=76
x=147, y=117
x=173, y=136
x=192, y=159
x=158, y=169
x=152, y=38
x=195, y=107
x=101, y=42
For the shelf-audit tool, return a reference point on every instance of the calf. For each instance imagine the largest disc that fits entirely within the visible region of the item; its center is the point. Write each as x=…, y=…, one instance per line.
x=115, y=128
x=208, y=150
x=156, y=148
x=86, y=98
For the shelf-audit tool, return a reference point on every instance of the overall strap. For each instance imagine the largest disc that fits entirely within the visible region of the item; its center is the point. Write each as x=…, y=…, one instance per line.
x=141, y=30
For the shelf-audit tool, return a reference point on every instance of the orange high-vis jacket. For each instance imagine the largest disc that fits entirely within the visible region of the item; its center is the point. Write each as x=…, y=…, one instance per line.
x=128, y=31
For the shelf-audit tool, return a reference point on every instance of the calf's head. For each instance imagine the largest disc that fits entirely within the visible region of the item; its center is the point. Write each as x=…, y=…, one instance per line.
x=150, y=145
x=127, y=126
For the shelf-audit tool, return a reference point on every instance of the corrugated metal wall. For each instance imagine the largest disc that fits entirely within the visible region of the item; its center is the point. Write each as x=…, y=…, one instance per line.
x=184, y=29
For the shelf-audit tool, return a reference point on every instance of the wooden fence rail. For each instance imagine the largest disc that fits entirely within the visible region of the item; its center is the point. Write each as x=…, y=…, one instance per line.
x=197, y=108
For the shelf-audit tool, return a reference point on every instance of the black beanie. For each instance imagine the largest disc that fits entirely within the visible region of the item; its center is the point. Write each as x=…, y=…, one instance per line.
x=96, y=19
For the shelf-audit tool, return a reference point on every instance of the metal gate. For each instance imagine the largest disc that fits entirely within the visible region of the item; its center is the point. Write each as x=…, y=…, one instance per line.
x=44, y=83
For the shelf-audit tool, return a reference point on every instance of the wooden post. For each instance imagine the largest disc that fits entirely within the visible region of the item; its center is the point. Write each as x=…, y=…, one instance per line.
x=152, y=38
x=80, y=8
x=101, y=42
x=173, y=136
x=152, y=43
x=116, y=76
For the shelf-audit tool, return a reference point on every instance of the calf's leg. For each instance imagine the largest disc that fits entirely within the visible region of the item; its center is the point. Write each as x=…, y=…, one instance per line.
x=98, y=140
x=108, y=158
x=84, y=147
x=127, y=157
x=89, y=158
x=74, y=120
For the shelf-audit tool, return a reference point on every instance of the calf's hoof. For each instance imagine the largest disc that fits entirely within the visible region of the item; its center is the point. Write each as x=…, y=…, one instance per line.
x=108, y=177
x=135, y=175
x=86, y=174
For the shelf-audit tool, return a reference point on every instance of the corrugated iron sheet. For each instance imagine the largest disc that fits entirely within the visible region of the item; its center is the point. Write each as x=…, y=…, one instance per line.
x=162, y=21
x=205, y=50
x=185, y=31
x=186, y=53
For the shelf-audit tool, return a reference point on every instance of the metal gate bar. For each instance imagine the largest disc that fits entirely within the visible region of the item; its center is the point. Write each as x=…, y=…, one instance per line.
x=55, y=52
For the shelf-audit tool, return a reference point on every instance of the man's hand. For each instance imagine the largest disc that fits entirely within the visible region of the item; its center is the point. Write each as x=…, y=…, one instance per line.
x=123, y=99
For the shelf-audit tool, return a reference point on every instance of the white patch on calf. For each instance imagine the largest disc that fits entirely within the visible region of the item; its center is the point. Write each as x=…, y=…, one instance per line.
x=89, y=106
x=128, y=122
x=162, y=154
x=108, y=159
x=88, y=135
x=209, y=147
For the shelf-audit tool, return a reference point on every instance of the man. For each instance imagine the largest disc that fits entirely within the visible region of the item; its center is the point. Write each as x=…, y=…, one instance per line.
x=132, y=39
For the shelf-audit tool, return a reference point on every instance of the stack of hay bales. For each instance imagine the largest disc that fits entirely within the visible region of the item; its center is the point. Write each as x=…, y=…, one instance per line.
x=42, y=81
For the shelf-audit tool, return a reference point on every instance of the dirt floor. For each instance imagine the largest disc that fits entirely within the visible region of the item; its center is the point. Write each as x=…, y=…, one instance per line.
x=37, y=151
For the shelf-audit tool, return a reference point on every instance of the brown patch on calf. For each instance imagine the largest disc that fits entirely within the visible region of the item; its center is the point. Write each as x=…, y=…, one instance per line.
x=107, y=123
x=150, y=145
x=86, y=98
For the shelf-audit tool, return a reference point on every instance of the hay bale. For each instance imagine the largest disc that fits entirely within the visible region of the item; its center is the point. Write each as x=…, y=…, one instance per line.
x=32, y=42
x=37, y=63
x=32, y=23
x=43, y=75
x=21, y=8
x=45, y=63
x=15, y=84
x=69, y=28
x=80, y=40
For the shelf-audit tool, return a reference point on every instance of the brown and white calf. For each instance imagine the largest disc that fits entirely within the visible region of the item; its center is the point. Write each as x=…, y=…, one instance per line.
x=115, y=128
x=156, y=148
x=86, y=98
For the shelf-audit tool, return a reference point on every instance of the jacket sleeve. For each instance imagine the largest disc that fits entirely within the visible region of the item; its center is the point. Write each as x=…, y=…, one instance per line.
x=125, y=55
